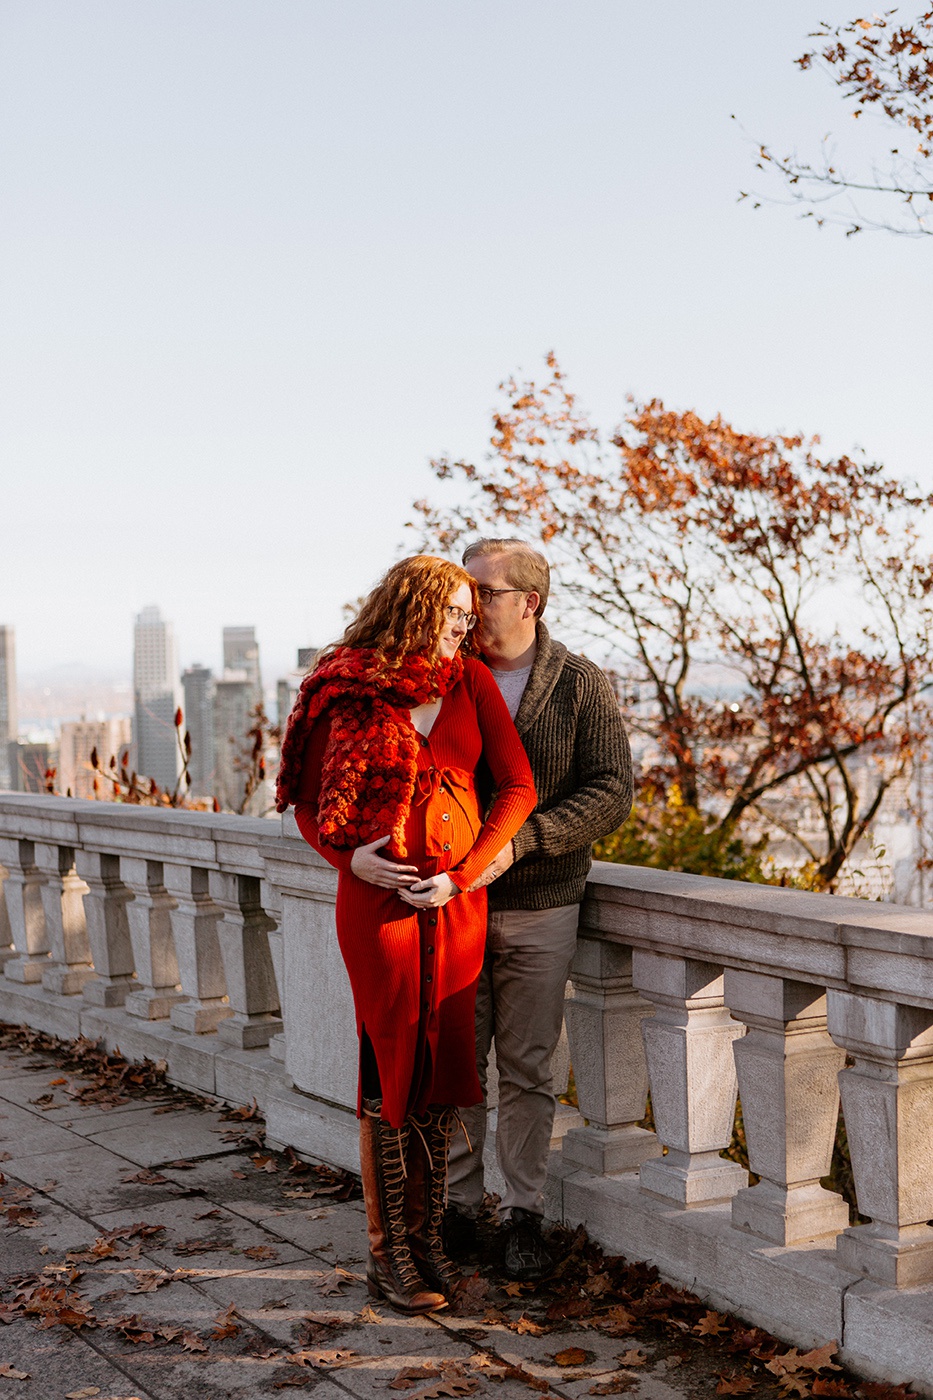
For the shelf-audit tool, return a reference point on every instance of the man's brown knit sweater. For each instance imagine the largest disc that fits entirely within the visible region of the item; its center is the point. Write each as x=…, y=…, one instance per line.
x=570, y=725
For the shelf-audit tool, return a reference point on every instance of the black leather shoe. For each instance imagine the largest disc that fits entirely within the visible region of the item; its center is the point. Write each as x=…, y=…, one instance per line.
x=459, y=1233
x=526, y=1254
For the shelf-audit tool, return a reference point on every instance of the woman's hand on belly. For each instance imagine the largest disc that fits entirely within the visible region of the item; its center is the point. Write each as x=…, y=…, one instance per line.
x=376, y=870
x=430, y=893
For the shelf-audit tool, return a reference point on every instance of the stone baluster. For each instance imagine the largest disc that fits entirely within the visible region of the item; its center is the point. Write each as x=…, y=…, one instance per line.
x=200, y=967
x=688, y=1044
x=244, y=946
x=787, y=1070
x=271, y=898
x=604, y=1019
x=149, y=913
x=63, y=892
x=7, y=950
x=23, y=893
x=887, y=1101
x=108, y=928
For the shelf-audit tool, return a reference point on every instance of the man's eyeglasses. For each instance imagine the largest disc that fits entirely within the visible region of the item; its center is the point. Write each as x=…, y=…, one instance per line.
x=455, y=615
x=486, y=595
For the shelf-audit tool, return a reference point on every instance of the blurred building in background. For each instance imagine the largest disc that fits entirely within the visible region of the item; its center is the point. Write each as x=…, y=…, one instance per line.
x=198, y=686
x=111, y=738
x=8, y=706
x=157, y=695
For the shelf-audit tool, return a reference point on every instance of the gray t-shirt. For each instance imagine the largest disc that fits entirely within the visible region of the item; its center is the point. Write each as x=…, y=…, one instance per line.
x=512, y=686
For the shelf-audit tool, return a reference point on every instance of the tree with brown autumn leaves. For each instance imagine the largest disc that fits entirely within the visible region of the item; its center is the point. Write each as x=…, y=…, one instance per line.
x=883, y=65
x=767, y=611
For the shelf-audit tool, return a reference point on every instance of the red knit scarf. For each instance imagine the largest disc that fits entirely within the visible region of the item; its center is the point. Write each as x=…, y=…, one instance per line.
x=371, y=757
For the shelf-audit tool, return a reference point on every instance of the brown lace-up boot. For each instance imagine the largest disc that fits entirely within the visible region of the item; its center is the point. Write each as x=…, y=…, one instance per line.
x=426, y=1196
x=391, y=1273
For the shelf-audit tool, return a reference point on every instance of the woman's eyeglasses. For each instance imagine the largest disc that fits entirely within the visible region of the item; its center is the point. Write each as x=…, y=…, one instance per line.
x=455, y=615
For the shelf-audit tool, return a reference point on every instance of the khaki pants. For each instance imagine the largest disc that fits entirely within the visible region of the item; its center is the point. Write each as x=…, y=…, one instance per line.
x=520, y=1005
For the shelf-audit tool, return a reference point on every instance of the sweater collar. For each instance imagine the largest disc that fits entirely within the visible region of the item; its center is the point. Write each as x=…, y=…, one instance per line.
x=548, y=664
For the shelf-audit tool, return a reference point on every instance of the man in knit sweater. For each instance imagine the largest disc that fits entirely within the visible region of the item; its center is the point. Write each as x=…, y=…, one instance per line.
x=568, y=719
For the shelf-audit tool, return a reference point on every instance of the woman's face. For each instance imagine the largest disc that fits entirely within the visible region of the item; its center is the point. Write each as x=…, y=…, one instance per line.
x=455, y=628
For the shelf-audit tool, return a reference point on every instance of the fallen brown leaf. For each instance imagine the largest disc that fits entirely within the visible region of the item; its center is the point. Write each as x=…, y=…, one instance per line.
x=11, y=1372
x=526, y=1324
x=85, y=1394
x=192, y=1342
x=571, y=1356
x=224, y=1325
x=735, y=1385
x=198, y=1246
x=447, y=1387
x=336, y=1280
x=261, y=1251
x=633, y=1357
x=334, y=1359
x=712, y=1324
x=410, y=1376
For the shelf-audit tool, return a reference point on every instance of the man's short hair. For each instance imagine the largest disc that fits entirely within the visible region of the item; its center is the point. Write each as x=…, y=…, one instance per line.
x=527, y=569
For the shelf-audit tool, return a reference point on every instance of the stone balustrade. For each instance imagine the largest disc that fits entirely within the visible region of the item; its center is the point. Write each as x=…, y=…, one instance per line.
x=209, y=942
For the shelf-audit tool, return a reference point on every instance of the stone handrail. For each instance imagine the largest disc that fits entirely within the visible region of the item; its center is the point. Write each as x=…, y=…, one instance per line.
x=208, y=941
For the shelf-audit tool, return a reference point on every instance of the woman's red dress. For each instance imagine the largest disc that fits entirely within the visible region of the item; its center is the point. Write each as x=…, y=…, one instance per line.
x=414, y=972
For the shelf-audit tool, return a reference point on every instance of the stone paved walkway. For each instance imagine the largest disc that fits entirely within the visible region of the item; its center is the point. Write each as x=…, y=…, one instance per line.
x=188, y=1266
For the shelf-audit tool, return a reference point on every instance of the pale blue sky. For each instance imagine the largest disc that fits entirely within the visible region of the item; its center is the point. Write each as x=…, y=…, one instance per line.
x=261, y=260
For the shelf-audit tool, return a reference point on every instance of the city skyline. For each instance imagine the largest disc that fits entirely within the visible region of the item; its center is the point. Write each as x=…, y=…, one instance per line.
x=287, y=259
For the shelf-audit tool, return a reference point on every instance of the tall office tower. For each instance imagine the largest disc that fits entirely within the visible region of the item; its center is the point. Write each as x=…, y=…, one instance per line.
x=158, y=695
x=233, y=706
x=79, y=738
x=198, y=685
x=9, y=723
x=286, y=690
x=241, y=653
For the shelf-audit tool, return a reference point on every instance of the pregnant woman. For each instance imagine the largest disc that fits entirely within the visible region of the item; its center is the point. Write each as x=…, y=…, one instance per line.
x=379, y=758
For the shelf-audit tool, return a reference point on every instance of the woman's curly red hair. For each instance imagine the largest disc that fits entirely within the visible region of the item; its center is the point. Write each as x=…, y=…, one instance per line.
x=405, y=611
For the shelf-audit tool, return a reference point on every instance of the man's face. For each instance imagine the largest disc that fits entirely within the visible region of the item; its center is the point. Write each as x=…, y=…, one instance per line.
x=506, y=617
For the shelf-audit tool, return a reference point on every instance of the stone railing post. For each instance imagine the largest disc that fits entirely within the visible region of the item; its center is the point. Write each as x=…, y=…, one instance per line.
x=23, y=892
x=195, y=917
x=787, y=1070
x=149, y=914
x=7, y=950
x=887, y=1101
x=604, y=1018
x=108, y=928
x=688, y=1043
x=244, y=946
x=271, y=899
x=63, y=893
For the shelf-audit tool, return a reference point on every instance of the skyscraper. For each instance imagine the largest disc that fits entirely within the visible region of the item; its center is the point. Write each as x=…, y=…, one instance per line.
x=9, y=723
x=198, y=685
x=241, y=654
x=157, y=695
x=233, y=705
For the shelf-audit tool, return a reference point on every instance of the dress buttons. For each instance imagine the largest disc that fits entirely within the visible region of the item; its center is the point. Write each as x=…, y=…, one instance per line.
x=445, y=817
x=432, y=921
x=426, y=1005
x=424, y=743
x=428, y=978
x=431, y=949
x=446, y=845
